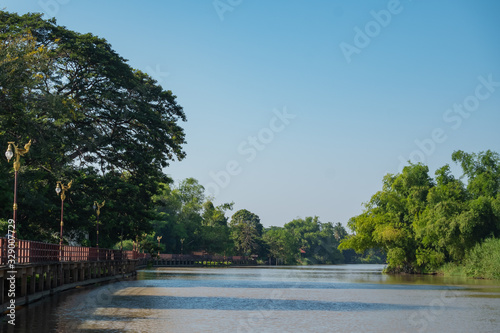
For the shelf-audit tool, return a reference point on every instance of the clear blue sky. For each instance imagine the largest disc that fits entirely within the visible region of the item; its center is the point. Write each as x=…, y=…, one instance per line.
x=363, y=86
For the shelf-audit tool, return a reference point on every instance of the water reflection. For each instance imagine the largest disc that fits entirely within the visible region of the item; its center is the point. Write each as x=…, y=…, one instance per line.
x=349, y=298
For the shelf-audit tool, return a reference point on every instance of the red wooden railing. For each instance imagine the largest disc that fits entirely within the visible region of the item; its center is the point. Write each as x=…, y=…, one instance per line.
x=30, y=252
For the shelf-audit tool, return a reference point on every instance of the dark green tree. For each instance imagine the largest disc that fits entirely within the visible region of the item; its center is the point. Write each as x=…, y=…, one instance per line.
x=92, y=119
x=315, y=240
x=215, y=233
x=387, y=221
x=246, y=232
x=282, y=245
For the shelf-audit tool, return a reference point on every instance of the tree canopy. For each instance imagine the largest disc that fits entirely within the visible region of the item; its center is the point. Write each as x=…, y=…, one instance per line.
x=246, y=232
x=92, y=119
x=423, y=223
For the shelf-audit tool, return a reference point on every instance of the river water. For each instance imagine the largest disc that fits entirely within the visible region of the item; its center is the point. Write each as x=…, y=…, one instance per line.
x=340, y=298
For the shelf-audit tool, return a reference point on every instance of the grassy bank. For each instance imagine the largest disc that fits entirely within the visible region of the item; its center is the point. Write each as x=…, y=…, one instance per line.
x=482, y=262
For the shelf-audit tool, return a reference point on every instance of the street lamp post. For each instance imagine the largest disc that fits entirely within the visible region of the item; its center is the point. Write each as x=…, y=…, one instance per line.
x=61, y=188
x=17, y=153
x=159, y=238
x=98, y=207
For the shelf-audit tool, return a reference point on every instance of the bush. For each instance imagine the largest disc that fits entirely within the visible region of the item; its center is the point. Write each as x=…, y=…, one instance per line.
x=128, y=245
x=483, y=261
x=452, y=269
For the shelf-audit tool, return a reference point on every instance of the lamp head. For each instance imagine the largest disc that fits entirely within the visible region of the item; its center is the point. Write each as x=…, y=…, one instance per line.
x=9, y=153
x=58, y=188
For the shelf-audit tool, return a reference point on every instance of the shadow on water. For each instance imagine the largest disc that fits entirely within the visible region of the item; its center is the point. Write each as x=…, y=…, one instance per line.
x=250, y=304
x=182, y=283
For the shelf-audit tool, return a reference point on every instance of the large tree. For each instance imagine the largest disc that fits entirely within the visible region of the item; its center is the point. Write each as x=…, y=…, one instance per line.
x=246, y=232
x=387, y=221
x=91, y=118
x=282, y=245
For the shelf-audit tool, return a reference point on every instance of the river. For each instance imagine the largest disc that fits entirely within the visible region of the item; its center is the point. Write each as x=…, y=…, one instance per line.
x=340, y=298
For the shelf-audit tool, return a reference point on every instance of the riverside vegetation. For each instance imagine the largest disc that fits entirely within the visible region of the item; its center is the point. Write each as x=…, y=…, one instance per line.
x=113, y=129
x=424, y=223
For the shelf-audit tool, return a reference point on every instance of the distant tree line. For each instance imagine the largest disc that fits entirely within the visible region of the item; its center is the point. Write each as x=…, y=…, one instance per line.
x=189, y=222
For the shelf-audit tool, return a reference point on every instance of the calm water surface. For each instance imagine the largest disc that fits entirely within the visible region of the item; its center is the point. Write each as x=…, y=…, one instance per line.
x=343, y=298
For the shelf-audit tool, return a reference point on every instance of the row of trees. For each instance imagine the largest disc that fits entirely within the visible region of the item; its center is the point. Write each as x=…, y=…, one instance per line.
x=189, y=222
x=422, y=223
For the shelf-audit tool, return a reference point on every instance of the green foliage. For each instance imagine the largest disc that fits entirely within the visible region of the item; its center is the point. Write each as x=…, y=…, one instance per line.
x=306, y=241
x=4, y=227
x=188, y=221
x=482, y=171
x=483, y=260
x=452, y=269
x=92, y=119
x=126, y=245
x=281, y=244
x=149, y=244
x=422, y=224
x=246, y=232
x=387, y=221
x=371, y=256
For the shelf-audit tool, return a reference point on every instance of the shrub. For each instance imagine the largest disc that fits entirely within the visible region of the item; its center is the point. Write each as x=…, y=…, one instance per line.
x=483, y=260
